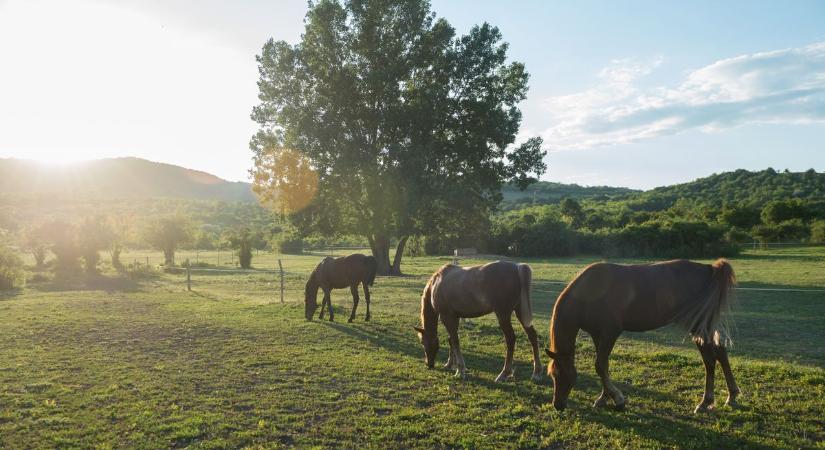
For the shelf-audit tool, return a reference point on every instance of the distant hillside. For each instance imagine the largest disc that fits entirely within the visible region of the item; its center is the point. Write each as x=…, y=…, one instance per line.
x=740, y=187
x=547, y=192
x=117, y=178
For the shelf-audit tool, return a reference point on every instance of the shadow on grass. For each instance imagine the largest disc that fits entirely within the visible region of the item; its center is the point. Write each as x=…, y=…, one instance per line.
x=767, y=325
x=10, y=294
x=96, y=282
x=657, y=426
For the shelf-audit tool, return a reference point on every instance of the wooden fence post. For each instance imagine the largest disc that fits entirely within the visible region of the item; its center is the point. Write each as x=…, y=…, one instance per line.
x=281, y=270
x=188, y=276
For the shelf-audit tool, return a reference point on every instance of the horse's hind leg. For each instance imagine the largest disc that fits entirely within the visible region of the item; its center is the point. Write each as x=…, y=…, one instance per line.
x=733, y=389
x=510, y=340
x=354, y=290
x=534, y=342
x=367, y=299
x=603, y=349
x=709, y=358
x=451, y=324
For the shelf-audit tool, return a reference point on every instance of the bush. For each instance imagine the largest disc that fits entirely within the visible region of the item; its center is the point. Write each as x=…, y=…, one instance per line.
x=11, y=268
x=291, y=245
x=818, y=231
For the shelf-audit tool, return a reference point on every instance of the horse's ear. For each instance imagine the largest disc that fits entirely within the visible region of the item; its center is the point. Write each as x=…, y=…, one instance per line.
x=550, y=354
x=418, y=329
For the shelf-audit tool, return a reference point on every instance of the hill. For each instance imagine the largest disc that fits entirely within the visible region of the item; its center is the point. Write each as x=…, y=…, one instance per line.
x=740, y=187
x=117, y=178
x=548, y=192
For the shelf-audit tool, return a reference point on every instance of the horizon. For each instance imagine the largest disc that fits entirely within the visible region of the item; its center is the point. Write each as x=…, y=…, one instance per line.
x=68, y=164
x=619, y=100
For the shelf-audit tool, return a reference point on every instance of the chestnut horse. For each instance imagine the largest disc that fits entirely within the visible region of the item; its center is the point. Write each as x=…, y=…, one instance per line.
x=606, y=299
x=454, y=292
x=337, y=273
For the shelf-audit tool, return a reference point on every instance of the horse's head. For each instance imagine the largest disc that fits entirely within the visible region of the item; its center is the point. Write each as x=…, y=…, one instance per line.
x=430, y=342
x=310, y=297
x=562, y=370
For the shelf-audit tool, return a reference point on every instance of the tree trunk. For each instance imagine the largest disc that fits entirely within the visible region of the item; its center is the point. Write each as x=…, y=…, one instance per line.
x=381, y=252
x=399, y=252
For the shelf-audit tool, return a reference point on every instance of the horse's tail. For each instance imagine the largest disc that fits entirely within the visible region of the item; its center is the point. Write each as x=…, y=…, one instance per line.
x=372, y=268
x=525, y=275
x=707, y=322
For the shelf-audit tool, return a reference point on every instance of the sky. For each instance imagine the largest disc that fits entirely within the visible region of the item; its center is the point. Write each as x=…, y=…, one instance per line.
x=636, y=93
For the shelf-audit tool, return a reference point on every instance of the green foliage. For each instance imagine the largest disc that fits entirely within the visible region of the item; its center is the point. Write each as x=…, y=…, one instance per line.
x=167, y=233
x=94, y=235
x=12, y=275
x=64, y=243
x=540, y=231
x=35, y=241
x=818, y=231
x=406, y=124
x=572, y=212
x=291, y=245
x=243, y=240
x=778, y=211
x=548, y=192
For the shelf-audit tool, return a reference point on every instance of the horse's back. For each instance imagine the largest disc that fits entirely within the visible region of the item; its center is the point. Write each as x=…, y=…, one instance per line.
x=477, y=290
x=638, y=297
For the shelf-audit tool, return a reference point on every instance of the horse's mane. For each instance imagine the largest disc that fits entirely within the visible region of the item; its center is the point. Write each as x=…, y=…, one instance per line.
x=427, y=311
x=560, y=300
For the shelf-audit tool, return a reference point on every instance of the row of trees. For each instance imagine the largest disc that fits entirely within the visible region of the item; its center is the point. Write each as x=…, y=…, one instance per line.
x=683, y=230
x=76, y=244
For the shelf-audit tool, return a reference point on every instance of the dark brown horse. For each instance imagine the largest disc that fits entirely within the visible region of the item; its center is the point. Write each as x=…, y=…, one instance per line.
x=338, y=273
x=454, y=292
x=606, y=299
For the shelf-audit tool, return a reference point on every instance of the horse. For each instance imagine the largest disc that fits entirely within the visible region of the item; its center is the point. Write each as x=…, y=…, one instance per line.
x=337, y=273
x=454, y=292
x=605, y=299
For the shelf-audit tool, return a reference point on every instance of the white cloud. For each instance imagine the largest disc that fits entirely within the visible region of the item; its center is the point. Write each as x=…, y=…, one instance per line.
x=783, y=86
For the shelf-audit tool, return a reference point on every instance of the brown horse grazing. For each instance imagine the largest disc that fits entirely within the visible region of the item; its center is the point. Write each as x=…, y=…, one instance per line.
x=337, y=273
x=454, y=292
x=606, y=299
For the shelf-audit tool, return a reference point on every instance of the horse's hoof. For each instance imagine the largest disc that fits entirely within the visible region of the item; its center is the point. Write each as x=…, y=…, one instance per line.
x=703, y=408
x=367, y=319
x=536, y=377
x=621, y=407
x=732, y=403
x=502, y=378
x=460, y=374
x=349, y=320
x=600, y=402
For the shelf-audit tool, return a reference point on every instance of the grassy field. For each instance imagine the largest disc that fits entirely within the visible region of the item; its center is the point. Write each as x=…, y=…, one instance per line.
x=134, y=360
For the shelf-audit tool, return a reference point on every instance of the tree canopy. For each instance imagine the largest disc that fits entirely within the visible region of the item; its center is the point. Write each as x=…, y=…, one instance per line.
x=407, y=126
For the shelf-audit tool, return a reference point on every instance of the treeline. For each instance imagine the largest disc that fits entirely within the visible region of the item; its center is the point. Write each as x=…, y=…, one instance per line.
x=709, y=217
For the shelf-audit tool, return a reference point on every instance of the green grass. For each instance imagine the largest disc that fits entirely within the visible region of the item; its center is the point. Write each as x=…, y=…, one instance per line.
x=137, y=361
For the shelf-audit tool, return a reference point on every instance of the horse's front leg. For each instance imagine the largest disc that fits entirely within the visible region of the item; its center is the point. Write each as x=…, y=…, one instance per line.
x=327, y=301
x=354, y=290
x=451, y=324
x=450, y=358
x=603, y=350
x=709, y=359
x=510, y=342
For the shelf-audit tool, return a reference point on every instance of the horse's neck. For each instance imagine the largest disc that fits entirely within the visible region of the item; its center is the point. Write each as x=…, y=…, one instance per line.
x=563, y=331
x=429, y=316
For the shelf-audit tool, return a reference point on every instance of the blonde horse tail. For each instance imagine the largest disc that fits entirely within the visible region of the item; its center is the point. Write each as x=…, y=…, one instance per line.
x=526, y=278
x=709, y=322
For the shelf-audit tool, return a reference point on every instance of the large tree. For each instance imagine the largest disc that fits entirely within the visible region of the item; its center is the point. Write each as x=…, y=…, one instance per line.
x=382, y=122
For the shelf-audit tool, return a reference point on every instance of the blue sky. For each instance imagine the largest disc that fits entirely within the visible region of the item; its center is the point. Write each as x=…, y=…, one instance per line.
x=636, y=94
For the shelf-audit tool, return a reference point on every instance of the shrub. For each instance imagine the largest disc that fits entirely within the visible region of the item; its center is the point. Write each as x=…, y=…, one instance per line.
x=291, y=245
x=818, y=231
x=11, y=268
